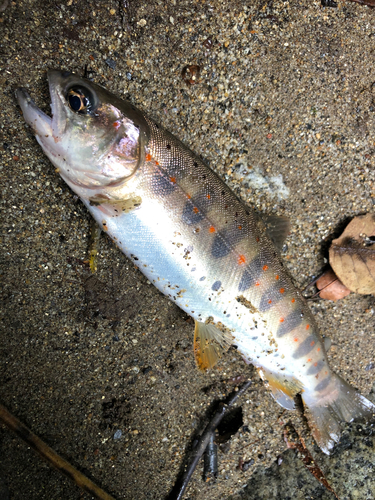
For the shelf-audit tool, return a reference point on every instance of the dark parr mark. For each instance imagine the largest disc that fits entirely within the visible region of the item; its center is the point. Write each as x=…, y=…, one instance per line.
x=270, y=297
x=161, y=185
x=305, y=347
x=250, y=275
x=323, y=384
x=191, y=214
x=290, y=323
x=219, y=248
x=227, y=238
x=216, y=286
x=316, y=367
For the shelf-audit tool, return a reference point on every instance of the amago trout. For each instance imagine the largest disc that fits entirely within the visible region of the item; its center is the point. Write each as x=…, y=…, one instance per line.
x=195, y=241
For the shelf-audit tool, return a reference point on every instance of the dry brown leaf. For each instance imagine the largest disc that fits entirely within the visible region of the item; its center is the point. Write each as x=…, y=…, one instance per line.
x=352, y=255
x=331, y=288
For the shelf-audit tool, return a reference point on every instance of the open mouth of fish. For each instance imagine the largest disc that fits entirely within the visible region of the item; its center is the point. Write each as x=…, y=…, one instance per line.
x=40, y=122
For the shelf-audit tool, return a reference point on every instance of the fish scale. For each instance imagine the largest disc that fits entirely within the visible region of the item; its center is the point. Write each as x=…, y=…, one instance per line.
x=195, y=241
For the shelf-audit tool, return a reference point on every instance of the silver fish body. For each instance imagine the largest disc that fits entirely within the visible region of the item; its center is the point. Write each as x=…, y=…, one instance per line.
x=195, y=241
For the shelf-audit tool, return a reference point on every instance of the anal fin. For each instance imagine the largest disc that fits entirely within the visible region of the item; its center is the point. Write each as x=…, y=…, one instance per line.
x=210, y=343
x=282, y=388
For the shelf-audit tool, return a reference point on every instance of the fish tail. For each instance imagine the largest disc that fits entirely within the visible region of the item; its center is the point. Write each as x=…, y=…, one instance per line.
x=340, y=403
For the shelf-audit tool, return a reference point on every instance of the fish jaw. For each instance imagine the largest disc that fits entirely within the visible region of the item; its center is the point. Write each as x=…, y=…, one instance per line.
x=40, y=123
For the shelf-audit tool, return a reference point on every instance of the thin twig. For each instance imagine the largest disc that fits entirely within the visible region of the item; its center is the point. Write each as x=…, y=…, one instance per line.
x=51, y=456
x=321, y=289
x=197, y=452
x=296, y=442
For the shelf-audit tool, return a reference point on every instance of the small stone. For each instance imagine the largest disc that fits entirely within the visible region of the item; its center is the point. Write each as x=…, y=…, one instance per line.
x=117, y=435
x=111, y=63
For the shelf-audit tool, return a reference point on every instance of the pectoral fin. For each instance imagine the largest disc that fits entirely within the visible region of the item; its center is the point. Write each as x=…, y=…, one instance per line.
x=114, y=207
x=210, y=344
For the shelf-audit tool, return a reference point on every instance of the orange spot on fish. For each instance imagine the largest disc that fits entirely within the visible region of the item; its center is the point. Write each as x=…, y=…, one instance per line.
x=117, y=124
x=241, y=259
x=315, y=364
x=293, y=300
x=173, y=179
x=325, y=373
x=257, y=283
x=307, y=327
x=318, y=349
x=265, y=268
x=212, y=229
x=188, y=196
x=157, y=163
x=257, y=240
x=282, y=290
x=295, y=340
x=195, y=210
x=208, y=196
x=277, y=276
x=270, y=301
x=309, y=360
x=239, y=227
x=282, y=320
x=148, y=157
x=312, y=343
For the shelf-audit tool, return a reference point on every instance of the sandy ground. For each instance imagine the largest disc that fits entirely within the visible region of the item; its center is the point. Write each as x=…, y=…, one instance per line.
x=284, y=111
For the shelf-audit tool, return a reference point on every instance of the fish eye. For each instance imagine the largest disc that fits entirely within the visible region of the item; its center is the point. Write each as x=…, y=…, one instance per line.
x=80, y=100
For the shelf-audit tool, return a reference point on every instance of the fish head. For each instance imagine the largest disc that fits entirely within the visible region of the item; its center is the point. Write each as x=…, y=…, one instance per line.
x=93, y=138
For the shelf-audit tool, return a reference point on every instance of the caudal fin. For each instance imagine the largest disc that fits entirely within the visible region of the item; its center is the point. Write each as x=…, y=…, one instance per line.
x=342, y=403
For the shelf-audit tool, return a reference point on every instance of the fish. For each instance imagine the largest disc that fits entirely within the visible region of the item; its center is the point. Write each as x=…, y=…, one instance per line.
x=201, y=246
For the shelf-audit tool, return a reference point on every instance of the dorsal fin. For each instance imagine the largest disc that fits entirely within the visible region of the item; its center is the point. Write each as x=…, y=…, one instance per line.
x=210, y=343
x=277, y=228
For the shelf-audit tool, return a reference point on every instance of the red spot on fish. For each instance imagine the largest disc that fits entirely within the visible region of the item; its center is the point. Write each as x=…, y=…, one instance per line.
x=277, y=276
x=282, y=320
x=212, y=229
x=195, y=210
x=257, y=239
x=307, y=327
x=208, y=196
x=173, y=179
x=148, y=157
x=282, y=290
x=117, y=124
x=312, y=343
x=270, y=301
x=241, y=259
x=293, y=300
x=157, y=163
x=265, y=268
